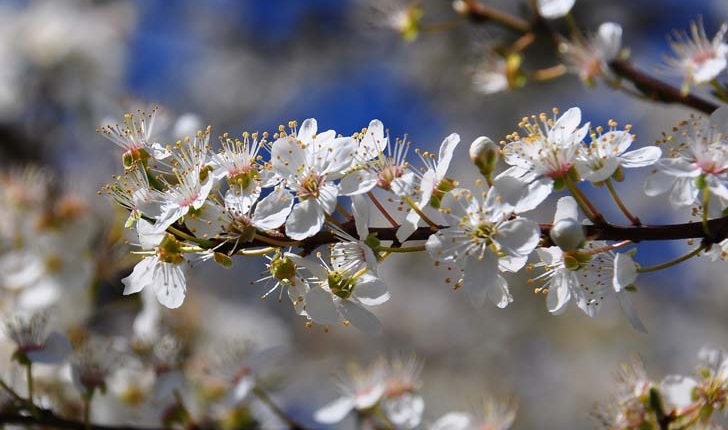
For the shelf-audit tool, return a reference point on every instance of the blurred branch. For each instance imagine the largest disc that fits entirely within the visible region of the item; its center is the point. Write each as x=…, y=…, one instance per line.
x=47, y=419
x=652, y=88
x=657, y=90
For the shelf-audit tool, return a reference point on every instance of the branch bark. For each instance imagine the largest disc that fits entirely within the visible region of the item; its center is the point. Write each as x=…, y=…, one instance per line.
x=692, y=230
x=650, y=87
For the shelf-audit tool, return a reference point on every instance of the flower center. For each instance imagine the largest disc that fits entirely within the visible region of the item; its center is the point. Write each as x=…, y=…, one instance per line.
x=310, y=186
x=389, y=174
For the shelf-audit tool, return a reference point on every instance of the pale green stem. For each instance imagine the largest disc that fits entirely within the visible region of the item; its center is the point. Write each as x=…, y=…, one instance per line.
x=275, y=242
x=277, y=411
x=179, y=233
x=87, y=409
x=12, y=392
x=633, y=219
x=586, y=206
x=719, y=90
x=419, y=212
x=256, y=251
x=670, y=263
x=183, y=407
x=402, y=250
x=706, y=203
x=29, y=376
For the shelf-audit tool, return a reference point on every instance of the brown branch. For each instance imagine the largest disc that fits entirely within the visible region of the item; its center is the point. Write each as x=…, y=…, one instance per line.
x=692, y=230
x=657, y=90
x=479, y=12
x=650, y=87
x=47, y=419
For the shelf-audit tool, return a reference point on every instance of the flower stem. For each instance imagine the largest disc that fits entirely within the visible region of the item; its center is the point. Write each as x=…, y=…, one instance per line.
x=706, y=204
x=419, y=212
x=29, y=376
x=670, y=263
x=275, y=242
x=277, y=411
x=633, y=219
x=344, y=212
x=12, y=392
x=181, y=234
x=611, y=247
x=382, y=210
x=419, y=248
x=262, y=251
x=87, y=409
x=183, y=408
x=548, y=73
x=591, y=212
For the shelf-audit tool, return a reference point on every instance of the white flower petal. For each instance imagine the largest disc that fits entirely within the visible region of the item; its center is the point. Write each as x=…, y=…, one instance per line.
x=447, y=148
x=360, y=317
x=334, y=411
x=307, y=130
x=677, y=392
x=518, y=237
x=371, y=290
x=566, y=208
x=405, y=411
x=625, y=271
x=658, y=183
x=272, y=211
x=453, y=421
x=141, y=276
x=335, y=157
x=357, y=182
x=480, y=277
x=552, y=9
x=170, y=284
x=684, y=192
x=287, y=157
x=320, y=306
x=305, y=220
x=642, y=157
x=629, y=312
x=559, y=292
x=610, y=35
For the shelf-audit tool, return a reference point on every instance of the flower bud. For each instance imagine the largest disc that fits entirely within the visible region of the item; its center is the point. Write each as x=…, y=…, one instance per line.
x=484, y=153
x=568, y=234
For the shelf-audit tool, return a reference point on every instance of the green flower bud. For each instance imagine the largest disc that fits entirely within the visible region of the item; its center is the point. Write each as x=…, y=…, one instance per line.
x=484, y=153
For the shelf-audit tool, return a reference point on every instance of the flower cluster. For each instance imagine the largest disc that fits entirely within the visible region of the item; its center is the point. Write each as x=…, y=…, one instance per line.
x=385, y=394
x=678, y=401
x=284, y=195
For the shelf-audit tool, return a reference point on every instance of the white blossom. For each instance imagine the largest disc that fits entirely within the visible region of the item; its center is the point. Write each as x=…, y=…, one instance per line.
x=337, y=295
x=552, y=9
x=545, y=154
x=33, y=341
x=309, y=164
x=481, y=241
x=607, y=154
x=697, y=159
x=589, y=59
x=698, y=59
x=433, y=184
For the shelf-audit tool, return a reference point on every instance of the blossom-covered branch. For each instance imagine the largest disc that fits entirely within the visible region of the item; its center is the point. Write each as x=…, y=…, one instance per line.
x=695, y=55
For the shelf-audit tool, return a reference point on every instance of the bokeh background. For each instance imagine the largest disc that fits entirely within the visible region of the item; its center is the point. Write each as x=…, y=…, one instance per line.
x=67, y=66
